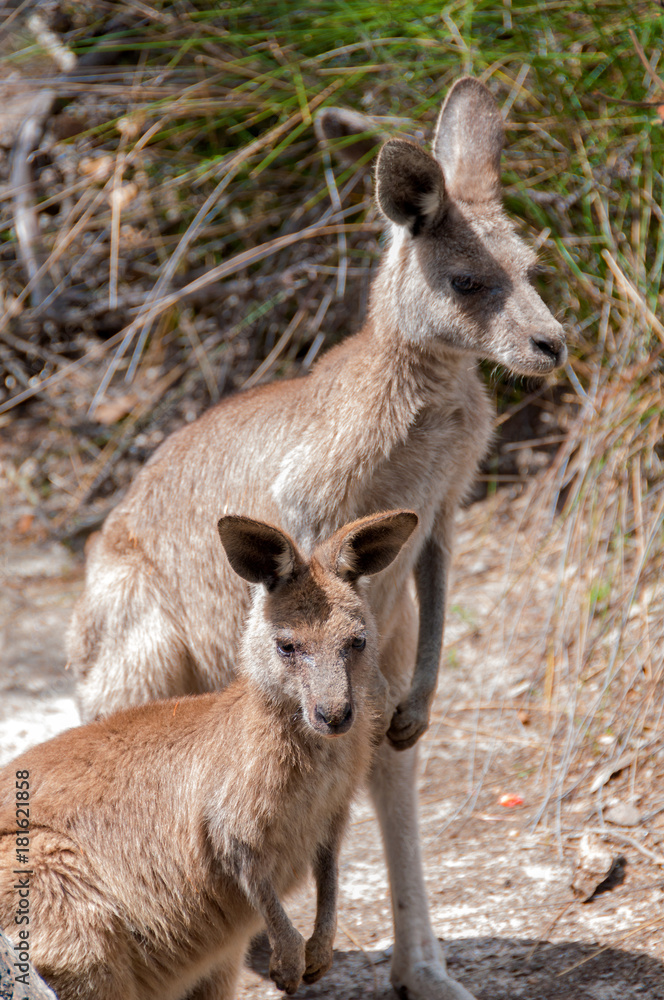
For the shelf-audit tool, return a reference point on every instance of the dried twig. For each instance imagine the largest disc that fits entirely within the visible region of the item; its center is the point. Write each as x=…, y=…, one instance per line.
x=645, y=62
x=26, y=222
x=632, y=293
x=277, y=350
x=623, y=838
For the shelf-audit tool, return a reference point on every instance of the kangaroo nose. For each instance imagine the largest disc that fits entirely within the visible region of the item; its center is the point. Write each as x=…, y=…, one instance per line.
x=334, y=720
x=551, y=346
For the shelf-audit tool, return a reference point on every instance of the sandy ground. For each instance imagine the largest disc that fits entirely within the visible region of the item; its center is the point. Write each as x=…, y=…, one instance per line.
x=499, y=885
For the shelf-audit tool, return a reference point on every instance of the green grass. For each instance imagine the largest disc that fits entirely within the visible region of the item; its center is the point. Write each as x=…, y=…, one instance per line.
x=563, y=68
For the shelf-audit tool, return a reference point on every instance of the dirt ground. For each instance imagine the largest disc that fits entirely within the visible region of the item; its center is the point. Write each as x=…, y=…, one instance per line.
x=499, y=882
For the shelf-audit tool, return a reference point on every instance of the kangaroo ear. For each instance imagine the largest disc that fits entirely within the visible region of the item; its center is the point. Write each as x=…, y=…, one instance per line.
x=468, y=142
x=369, y=545
x=258, y=552
x=410, y=187
x=341, y=123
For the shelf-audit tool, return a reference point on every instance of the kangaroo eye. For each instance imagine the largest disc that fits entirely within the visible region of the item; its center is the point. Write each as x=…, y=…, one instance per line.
x=465, y=285
x=359, y=642
x=285, y=648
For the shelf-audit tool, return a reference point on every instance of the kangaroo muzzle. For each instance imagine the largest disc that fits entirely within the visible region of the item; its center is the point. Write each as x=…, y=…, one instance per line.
x=329, y=708
x=333, y=720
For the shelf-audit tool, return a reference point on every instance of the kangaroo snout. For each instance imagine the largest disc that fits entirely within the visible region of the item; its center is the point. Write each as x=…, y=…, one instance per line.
x=332, y=718
x=551, y=347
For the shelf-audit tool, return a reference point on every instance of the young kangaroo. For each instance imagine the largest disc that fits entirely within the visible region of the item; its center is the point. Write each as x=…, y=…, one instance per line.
x=163, y=834
x=395, y=416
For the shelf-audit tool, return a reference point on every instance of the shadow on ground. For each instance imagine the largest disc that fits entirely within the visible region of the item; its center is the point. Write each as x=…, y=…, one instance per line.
x=494, y=969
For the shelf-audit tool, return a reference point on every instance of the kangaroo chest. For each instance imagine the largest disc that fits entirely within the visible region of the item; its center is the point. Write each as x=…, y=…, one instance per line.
x=435, y=465
x=330, y=475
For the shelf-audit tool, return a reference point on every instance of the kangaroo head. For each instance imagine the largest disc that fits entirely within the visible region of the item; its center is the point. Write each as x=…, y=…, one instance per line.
x=310, y=640
x=456, y=273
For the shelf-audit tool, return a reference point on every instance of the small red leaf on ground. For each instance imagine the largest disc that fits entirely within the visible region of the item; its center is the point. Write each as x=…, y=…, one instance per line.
x=510, y=800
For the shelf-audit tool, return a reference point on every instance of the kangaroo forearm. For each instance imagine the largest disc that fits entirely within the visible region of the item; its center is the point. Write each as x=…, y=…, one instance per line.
x=319, y=954
x=263, y=896
x=326, y=874
x=431, y=583
x=287, y=961
x=411, y=717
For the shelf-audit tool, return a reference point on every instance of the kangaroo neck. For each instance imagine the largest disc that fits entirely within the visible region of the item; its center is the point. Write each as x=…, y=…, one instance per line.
x=268, y=719
x=364, y=402
x=379, y=385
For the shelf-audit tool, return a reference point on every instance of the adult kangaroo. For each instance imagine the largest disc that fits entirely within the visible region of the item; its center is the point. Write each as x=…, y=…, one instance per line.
x=395, y=416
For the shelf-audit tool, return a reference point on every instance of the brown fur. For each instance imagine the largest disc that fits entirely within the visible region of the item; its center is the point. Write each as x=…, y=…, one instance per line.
x=163, y=834
x=395, y=416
